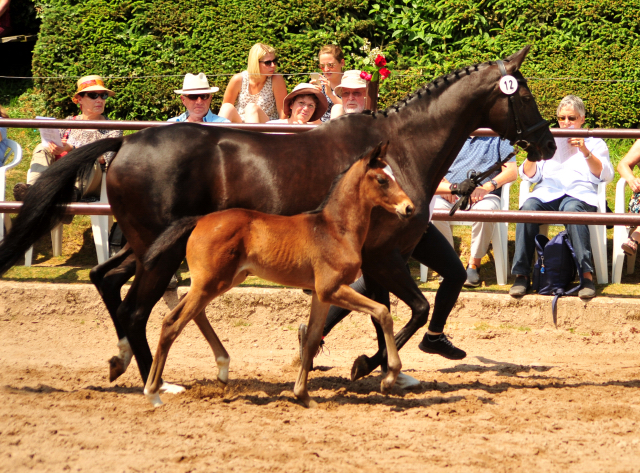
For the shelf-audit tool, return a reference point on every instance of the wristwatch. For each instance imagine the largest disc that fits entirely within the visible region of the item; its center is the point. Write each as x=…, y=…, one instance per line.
x=495, y=184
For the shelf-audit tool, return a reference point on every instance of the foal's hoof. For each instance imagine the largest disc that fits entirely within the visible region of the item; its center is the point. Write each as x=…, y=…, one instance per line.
x=360, y=368
x=168, y=388
x=222, y=384
x=116, y=368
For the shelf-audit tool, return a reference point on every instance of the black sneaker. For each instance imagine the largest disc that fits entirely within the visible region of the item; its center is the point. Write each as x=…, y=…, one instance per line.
x=520, y=287
x=441, y=345
x=588, y=291
x=473, y=277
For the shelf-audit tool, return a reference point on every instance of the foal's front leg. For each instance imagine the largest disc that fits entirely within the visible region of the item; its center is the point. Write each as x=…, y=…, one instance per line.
x=317, y=318
x=348, y=298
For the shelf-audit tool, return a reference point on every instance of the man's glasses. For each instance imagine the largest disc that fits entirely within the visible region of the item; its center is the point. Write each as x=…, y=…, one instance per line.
x=195, y=97
x=94, y=95
x=272, y=62
x=571, y=118
x=328, y=65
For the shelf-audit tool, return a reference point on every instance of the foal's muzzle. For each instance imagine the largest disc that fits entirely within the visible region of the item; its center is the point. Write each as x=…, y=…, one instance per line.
x=405, y=210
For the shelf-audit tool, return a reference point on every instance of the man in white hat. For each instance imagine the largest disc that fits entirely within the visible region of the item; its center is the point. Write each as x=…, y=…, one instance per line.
x=196, y=97
x=352, y=90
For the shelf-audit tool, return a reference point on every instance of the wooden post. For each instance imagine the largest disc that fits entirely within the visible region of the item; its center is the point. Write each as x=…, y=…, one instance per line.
x=371, y=102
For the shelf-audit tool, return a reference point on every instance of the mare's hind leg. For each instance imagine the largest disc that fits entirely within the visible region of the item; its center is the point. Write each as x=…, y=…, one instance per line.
x=189, y=308
x=317, y=318
x=222, y=357
x=147, y=289
x=108, y=278
x=346, y=297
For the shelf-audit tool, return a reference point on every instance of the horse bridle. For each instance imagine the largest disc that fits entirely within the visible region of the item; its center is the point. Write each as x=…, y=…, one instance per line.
x=520, y=135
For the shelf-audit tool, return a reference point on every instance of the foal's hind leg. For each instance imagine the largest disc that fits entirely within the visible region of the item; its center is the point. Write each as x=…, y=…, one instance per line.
x=108, y=278
x=222, y=357
x=317, y=318
x=187, y=309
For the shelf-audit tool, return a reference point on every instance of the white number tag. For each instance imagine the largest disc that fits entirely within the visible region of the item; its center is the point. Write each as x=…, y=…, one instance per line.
x=508, y=85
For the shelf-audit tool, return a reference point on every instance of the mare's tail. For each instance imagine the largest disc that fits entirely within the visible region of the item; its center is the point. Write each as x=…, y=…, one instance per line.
x=45, y=202
x=176, y=234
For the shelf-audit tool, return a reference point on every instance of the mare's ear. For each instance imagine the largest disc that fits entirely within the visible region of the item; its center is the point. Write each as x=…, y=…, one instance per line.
x=516, y=59
x=377, y=154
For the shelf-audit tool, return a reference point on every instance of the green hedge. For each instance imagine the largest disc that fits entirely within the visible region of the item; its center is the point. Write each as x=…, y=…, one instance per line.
x=590, y=39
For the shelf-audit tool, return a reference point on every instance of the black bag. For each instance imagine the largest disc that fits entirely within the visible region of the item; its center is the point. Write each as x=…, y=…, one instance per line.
x=116, y=239
x=555, y=269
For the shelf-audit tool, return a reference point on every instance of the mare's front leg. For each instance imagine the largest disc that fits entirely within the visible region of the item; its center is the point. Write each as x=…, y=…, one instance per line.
x=389, y=270
x=317, y=318
x=348, y=298
x=222, y=357
x=108, y=278
x=172, y=325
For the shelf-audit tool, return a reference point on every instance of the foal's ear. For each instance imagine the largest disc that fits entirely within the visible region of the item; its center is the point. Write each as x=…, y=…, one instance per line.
x=516, y=59
x=377, y=154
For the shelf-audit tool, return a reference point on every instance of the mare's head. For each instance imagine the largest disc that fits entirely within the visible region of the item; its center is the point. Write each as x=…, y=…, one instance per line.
x=380, y=185
x=512, y=110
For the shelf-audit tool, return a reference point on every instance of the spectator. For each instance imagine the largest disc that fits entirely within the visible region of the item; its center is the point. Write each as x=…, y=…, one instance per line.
x=567, y=182
x=196, y=98
x=5, y=18
x=353, y=90
x=331, y=61
x=625, y=168
x=305, y=104
x=255, y=95
x=479, y=154
x=3, y=138
x=90, y=98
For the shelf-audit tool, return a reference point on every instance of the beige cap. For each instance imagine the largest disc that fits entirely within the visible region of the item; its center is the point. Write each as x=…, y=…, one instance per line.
x=351, y=80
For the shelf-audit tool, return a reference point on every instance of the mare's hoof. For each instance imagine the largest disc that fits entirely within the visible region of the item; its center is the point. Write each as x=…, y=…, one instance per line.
x=116, y=368
x=154, y=398
x=312, y=404
x=360, y=368
x=168, y=388
x=222, y=384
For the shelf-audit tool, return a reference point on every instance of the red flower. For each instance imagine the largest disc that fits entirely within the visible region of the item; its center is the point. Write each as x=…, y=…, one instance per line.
x=384, y=73
x=380, y=61
x=363, y=75
x=368, y=77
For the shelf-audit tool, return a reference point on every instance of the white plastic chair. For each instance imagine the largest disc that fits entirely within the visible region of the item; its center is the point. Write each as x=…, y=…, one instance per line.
x=597, y=233
x=15, y=149
x=100, y=225
x=499, y=241
x=619, y=237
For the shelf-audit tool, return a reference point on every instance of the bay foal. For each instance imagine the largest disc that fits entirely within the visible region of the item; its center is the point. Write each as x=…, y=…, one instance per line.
x=319, y=250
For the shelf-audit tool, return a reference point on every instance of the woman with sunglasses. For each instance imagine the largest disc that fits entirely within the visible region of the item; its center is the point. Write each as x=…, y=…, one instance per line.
x=90, y=97
x=567, y=182
x=331, y=61
x=255, y=95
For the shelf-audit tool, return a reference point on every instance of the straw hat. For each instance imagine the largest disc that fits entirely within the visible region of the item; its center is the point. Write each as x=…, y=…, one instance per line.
x=193, y=84
x=92, y=83
x=351, y=80
x=307, y=89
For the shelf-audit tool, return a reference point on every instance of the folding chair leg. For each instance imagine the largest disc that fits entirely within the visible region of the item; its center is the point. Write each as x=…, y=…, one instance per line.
x=424, y=273
x=500, y=254
x=598, y=234
x=100, y=228
x=617, y=258
x=28, y=256
x=56, y=240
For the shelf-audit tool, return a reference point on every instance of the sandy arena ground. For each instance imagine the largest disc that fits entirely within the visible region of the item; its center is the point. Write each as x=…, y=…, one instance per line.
x=528, y=397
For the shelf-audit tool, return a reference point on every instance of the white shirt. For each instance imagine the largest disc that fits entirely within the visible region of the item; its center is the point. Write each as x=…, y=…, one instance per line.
x=567, y=173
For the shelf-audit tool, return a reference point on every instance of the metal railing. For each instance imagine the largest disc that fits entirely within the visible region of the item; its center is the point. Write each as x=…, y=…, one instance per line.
x=512, y=216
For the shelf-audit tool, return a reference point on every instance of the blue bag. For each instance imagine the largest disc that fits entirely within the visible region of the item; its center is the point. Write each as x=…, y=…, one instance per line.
x=555, y=269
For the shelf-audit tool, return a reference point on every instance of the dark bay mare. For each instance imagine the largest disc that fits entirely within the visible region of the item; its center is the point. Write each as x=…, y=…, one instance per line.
x=161, y=175
x=320, y=251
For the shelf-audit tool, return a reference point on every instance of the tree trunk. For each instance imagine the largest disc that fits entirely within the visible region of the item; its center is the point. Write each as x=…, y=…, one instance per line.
x=372, y=96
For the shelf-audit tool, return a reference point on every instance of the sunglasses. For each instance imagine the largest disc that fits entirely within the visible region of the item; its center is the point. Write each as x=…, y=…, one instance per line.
x=273, y=62
x=571, y=118
x=195, y=97
x=94, y=95
x=328, y=65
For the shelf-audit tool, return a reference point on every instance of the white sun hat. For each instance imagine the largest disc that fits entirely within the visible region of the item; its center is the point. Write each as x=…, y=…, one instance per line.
x=351, y=80
x=196, y=85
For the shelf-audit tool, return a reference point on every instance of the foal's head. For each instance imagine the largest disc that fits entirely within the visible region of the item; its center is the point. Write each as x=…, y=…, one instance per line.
x=380, y=185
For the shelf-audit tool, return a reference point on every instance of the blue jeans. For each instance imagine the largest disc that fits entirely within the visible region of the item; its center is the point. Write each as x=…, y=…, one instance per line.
x=526, y=232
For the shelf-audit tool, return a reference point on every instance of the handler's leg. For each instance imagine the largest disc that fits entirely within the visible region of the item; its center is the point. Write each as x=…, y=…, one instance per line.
x=434, y=251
